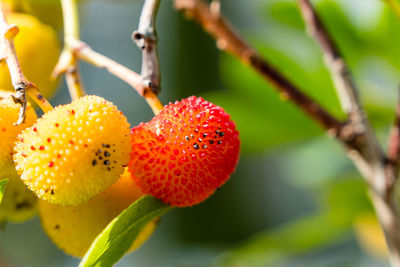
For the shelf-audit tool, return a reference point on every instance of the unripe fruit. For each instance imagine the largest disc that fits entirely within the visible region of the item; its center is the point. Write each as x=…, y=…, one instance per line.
x=18, y=203
x=185, y=152
x=37, y=48
x=8, y=131
x=73, y=229
x=74, y=151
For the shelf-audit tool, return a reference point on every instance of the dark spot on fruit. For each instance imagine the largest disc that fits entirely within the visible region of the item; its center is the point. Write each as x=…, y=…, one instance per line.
x=107, y=154
x=52, y=192
x=196, y=146
x=57, y=124
x=191, y=136
x=217, y=132
x=100, y=151
x=219, y=142
x=85, y=145
x=73, y=112
x=71, y=142
x=56, y=226
x=200, y=139
x=204, y=146
x=51, y=164
x=41, y=148
x=58, y=155
x=113, y=150
x=108, y=169
x=187, y=138
x=94, y=162
x=23, y=205
x=33, y=148
x=34, y=129
x=221, y=134
x=40, y=97
x=106, y=145
x=48, y=140
x=107, y=162
x=211, y=142
x=204, y=135
x=100, y=158
x=196, y=130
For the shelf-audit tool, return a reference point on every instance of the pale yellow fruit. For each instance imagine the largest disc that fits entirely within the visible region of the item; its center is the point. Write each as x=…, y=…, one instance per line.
x=38, y=49
x=18, y=203
x=73, y=229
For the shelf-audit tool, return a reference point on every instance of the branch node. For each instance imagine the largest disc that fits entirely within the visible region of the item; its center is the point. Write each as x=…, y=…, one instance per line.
x=20, y=98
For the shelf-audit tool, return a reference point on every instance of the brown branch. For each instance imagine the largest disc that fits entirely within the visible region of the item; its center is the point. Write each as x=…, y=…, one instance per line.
x=84, y=52
x=394, y=138
x=228, y=40
x=18, y=79
x=146, y=39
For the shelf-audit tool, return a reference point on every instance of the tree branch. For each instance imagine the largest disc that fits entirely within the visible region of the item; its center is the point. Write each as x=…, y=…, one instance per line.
x=18, y=79
x=68, y=62
x=146, y=39
x=228, y=40
x=84, y=52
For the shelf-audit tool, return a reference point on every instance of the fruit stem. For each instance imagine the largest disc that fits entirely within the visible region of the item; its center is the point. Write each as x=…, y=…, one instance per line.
x=84, y=52
x=146, y=39
x=68, y=62
x=18, y=79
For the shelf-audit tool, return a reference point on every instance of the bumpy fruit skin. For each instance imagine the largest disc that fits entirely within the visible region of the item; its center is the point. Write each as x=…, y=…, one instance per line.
x=74, y=151
x=185, y=152
x=18, y=203
x=73, y=229
x=8, y=131
x=37, y=48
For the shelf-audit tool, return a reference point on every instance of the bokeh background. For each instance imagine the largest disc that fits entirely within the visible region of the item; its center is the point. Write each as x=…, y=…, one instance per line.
x=295, y=199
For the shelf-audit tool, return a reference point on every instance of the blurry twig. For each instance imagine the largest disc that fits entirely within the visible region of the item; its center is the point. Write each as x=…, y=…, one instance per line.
x=68, y=62
x=18, y=79
x=146, y=39
x=229, y=41
x=394, y=139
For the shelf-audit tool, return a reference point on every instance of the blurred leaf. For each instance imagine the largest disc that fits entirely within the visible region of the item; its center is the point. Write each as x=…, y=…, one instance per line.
x=305, y=234
x=286, y=13
x=3, y=183
x=117, y=237
x=346, y=198
x=315, y=164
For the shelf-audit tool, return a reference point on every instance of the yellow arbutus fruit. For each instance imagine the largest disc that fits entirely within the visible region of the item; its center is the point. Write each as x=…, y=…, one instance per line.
x=8, y=131
x=73, y=229
x=37, y=48
x=18, y=203
x=74, y=151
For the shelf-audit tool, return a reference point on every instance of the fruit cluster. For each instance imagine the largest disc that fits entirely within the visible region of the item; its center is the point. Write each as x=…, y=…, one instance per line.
x=81, y=164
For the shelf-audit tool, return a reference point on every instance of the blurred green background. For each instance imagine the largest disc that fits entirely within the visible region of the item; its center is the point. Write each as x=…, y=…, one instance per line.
x=295, y=199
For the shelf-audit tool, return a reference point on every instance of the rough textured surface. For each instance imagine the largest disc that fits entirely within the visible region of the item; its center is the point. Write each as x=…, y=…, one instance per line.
x=37, y=48
x=8, y=131
x=74, y=151
x=185, y=153
x=73, y=229
x=19, y=203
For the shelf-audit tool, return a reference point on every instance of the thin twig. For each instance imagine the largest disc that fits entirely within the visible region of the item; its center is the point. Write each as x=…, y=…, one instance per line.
x=380, y=173
x=68, y=62
x=228, y=40
x=146, y=39
x=18, y=79
x=84, y=52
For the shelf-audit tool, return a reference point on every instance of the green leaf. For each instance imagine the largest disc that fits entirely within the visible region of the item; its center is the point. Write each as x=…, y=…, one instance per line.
x=117, y=237
x=266, y=248
x=3, y=184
